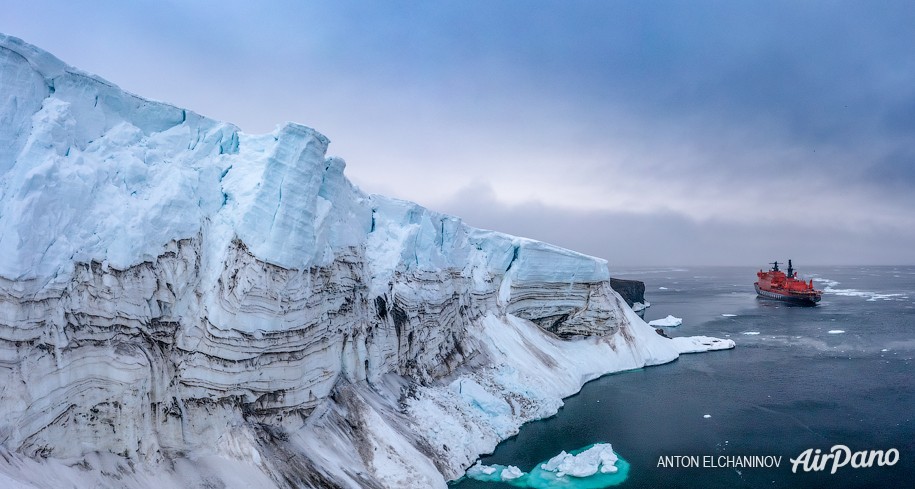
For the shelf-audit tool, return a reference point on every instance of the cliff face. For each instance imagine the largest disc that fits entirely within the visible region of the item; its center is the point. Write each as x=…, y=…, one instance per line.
x=173, y=290
x=631, y=291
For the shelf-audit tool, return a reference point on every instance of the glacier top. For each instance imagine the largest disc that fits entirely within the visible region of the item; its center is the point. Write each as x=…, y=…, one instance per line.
x=89, y=172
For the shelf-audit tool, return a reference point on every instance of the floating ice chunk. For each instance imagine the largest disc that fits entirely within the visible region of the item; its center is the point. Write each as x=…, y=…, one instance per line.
x=511, y=473
x=698, y=344
x=729, y=315
x=750, y=332
x=662, y=288
x=669, y=321
x=640, y=306
x=553, y=464
x=884, y=349
x=836, y=331
x=490, y=473
x=598, y=458
x=594, y=466
x=706, y=416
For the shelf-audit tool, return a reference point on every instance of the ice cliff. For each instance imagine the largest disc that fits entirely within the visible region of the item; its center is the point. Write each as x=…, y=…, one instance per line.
x=183, y=305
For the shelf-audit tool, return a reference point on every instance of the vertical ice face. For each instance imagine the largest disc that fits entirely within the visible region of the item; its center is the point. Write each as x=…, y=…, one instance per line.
x=169, y=285
x=23, y=91
x=283, y=218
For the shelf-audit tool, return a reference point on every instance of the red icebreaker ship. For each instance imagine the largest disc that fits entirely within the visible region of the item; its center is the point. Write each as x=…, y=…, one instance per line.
x=777, y=285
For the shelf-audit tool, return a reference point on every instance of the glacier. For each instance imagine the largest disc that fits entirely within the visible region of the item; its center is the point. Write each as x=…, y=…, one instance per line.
x=183, y=304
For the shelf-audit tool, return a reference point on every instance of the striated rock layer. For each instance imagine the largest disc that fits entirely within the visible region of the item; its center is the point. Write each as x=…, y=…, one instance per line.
x=182, y=304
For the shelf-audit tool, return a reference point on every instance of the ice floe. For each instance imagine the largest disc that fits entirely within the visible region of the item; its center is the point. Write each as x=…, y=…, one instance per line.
x=698, y=344
x=669, y=321
x=592, y=467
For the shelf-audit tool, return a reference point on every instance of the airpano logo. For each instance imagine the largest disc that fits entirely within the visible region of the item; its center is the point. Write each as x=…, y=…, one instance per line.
x=842, y=456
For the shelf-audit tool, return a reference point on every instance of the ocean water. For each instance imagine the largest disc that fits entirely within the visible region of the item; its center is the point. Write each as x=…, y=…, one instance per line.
x=840, y=373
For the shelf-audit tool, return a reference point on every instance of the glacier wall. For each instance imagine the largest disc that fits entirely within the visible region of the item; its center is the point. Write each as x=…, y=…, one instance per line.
x=185, y=304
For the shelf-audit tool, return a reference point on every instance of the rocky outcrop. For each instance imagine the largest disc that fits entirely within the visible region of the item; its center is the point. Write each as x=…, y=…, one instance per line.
x=632, y=291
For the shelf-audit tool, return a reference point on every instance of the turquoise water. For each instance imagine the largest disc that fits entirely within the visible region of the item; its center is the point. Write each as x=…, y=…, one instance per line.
x=797, y=384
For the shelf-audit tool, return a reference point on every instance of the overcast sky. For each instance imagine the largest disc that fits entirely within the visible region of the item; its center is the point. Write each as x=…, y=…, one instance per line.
x=644, y=132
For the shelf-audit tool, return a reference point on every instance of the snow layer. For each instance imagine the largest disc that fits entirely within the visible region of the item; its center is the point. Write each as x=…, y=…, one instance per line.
x=182, y=304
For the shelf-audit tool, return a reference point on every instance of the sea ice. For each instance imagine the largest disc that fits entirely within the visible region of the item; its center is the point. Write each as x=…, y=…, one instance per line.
x=836, y=331
x=669, y=321
x=511, y=472
x=699, y=344
x=640, y=306
x=596, y=466
x=599, y=457
x=729, y=315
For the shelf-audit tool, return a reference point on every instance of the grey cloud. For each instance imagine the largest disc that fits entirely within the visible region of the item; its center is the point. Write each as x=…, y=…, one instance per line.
x=633, y=237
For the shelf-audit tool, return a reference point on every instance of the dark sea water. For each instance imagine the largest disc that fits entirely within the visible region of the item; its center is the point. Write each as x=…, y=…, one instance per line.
x=793, y=386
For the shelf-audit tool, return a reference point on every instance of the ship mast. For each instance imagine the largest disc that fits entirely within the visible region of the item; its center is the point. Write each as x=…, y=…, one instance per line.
x=790, y=269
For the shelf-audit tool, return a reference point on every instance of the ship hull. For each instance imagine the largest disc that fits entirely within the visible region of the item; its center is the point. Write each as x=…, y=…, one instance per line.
x=806, y=300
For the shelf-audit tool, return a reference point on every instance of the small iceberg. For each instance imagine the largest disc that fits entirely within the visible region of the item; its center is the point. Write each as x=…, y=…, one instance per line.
x=729, y=315
x=669, y=321
x=699, y=344
x=595, y=466
x=750, y=332
x=599, y=457
x=511, y=473
x=836, y=331
x=640, y=306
